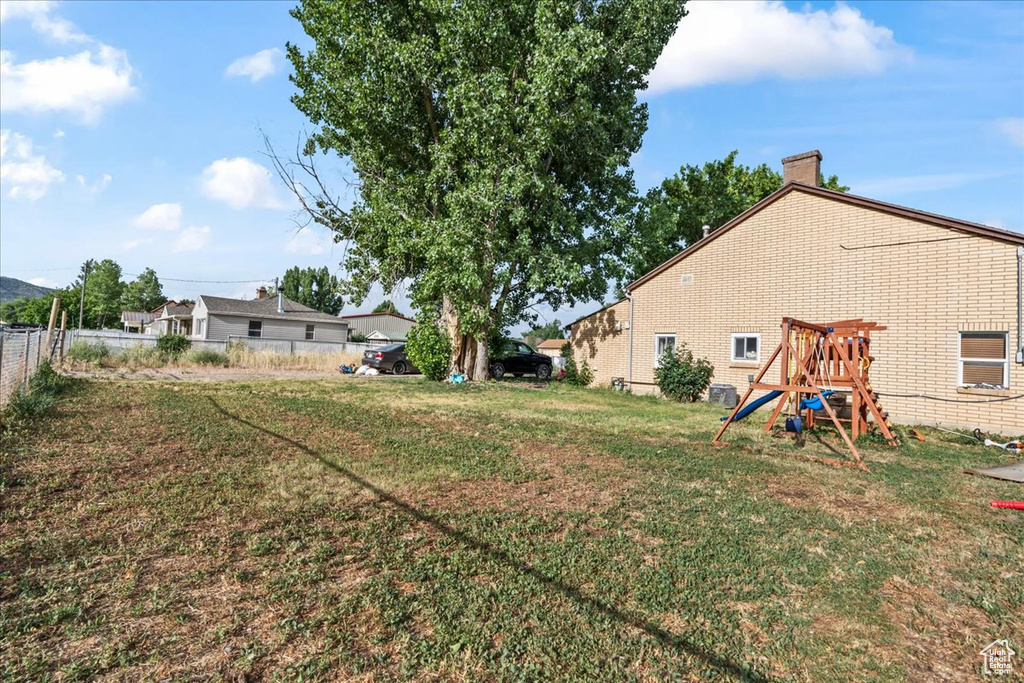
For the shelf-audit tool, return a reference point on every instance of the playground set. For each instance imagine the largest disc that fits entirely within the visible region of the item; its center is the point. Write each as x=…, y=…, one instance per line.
x=820, y=362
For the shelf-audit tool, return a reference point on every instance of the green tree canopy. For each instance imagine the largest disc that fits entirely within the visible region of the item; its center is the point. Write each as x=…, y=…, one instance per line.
x=103, y=291
x=673, y=214
x=387, y=306
x=551, y=330
x=144, y=293
x=313, y=287
x=490, y=144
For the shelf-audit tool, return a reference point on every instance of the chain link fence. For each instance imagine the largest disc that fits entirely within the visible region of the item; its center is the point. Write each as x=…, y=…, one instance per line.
x=21, y=352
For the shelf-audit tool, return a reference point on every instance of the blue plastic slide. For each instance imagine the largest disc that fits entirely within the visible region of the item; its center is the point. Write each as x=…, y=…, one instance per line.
x=754, y=405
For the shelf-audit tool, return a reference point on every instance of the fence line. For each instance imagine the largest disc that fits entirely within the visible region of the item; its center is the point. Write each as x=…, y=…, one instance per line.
x=118, y=341
x=21, y=353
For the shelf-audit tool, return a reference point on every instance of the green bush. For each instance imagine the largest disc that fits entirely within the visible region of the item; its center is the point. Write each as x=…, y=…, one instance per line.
x=576, y=375
x=209, y=357
x=88, y=352
x=429, y=349
x=357, y=337
x=173, y=345
x=143, y=356
x=47, y=380
x=43, y=389
x=682, y=377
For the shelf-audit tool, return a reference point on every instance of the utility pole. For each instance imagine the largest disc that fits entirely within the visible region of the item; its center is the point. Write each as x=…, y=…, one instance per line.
x=81, y=304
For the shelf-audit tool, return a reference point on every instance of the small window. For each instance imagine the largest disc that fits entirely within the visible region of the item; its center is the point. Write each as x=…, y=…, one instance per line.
x=663, y=343
x=983, y=360
x=746, y=348
x=199, y=327
x=310, y=331
x=256, y=328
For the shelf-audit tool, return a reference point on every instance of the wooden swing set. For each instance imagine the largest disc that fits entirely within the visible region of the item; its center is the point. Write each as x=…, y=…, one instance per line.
x=819, y=362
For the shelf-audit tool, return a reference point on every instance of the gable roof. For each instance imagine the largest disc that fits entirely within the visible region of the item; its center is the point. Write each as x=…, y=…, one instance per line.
x=863, y=202
x=555, y=344
x=371, y=315
x=267, y=308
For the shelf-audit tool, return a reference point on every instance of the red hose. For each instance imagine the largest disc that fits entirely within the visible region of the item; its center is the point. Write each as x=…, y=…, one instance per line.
x=1011, y=504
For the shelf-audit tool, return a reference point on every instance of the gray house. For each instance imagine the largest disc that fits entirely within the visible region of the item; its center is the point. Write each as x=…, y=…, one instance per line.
x=380, y=328
x=267, y=317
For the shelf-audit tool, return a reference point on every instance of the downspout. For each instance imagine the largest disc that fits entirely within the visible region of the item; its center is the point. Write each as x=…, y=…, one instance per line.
x=1020, y=305
x=629, y=352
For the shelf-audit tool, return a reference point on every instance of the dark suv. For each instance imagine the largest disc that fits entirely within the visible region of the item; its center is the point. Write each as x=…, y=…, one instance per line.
x=521, y=360
x=389, y=358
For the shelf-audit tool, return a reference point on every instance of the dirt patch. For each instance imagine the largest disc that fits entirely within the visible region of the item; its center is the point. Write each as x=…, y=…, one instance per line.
x=940, y=640
x=872, y=505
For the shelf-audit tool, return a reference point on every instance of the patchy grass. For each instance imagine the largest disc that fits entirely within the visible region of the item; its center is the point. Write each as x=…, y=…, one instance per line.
x=403, y=530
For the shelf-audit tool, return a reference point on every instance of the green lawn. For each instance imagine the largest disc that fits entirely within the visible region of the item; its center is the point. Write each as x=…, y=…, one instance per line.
x=341, y=529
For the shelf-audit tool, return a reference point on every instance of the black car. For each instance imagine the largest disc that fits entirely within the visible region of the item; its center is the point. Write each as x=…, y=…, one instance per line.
x=389, y=358
x=519, y=360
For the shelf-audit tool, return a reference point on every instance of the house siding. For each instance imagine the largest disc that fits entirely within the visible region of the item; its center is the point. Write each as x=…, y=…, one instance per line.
x=388, y=325
x=602, y=340
x=800, y=257
x=223, y=327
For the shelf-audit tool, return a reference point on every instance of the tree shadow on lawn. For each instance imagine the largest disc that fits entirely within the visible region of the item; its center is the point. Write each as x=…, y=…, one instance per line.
x=573, y=593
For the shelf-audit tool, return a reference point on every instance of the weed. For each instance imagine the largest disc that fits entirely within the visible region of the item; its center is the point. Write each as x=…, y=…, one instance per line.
x=208, y=357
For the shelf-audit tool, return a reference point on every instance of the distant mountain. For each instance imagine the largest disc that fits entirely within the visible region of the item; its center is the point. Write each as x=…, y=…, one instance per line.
x=11, y=289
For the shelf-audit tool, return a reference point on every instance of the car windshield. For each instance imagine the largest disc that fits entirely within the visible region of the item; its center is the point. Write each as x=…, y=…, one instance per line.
x=391, y=347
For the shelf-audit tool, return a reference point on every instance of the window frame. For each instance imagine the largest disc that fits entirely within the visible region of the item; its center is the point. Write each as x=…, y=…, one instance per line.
x=310, y=332
x=744, y=335
x=657, y=338
x=259, y=331
x=1005, y=362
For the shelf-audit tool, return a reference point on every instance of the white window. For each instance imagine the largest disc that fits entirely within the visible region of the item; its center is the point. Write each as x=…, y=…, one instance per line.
x=663, y=343
x=199, y=326
x=310, y=332
x=746, y=348
x=983, y=360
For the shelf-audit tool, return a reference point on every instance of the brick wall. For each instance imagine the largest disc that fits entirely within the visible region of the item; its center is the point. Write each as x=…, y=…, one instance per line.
x=602, y=340
x=798, y=257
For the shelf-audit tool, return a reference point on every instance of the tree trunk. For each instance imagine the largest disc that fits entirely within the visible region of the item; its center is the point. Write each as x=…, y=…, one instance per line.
x=469, y=352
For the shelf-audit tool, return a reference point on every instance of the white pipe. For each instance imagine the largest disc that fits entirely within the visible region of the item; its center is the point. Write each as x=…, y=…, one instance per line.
x=629, y=353
x=1020, y=297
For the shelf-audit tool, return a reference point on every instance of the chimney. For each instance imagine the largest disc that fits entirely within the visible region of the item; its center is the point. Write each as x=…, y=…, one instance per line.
x=707, y=230
x=802, y=168
x=280, y=296
x=261, y=293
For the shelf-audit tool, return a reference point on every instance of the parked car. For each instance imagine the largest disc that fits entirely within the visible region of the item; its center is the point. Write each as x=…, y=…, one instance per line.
x=521, y=360
x=389, y=358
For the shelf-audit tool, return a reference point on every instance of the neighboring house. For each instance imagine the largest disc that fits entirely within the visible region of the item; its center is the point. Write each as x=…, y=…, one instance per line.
x=136, y=321
x=380, y=328
x=551, y=347
x=266, y=317
x=171, y=318
x=947, y=291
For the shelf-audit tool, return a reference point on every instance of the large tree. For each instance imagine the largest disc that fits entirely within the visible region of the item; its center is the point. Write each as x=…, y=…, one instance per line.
x=386, y=306
x=313, y=287
x=551, y=330
x=103, y=289
x=489, y=143
x=144, y=293
x=673, y=214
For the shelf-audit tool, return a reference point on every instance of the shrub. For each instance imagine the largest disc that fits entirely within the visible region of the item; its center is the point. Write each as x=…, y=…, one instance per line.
x=173, y=345
x=209, y=357
x=47, y=380
x=88, y=352
x=576, y=375
x=682, y=377
x=357, y=337
x=43, y=388
x=429, y=349
x=143, y=356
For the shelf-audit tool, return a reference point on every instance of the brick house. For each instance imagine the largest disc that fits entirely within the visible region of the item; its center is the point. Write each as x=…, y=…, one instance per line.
x=947, y=290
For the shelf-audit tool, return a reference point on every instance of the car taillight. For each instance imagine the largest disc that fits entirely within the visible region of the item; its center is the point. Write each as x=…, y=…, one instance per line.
x=378, y=355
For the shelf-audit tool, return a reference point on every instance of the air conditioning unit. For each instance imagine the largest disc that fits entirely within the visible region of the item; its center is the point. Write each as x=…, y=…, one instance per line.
x=723, y=395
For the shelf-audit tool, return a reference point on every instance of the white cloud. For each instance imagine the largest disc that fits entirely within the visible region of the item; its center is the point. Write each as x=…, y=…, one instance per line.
x=305, y=241
x=38, y=11
x=84, y=83
x=192, y=238
x=134, y=244
x=241, y=183
x=98, y=186
x=26, y=175
x=258, y=66
x=59, y=134
x=739, y=42
x=43, y=282
x=1012, y=129
x=160, y=217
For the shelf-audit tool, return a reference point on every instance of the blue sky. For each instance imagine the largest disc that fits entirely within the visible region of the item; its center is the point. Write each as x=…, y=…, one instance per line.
x=131, y=131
